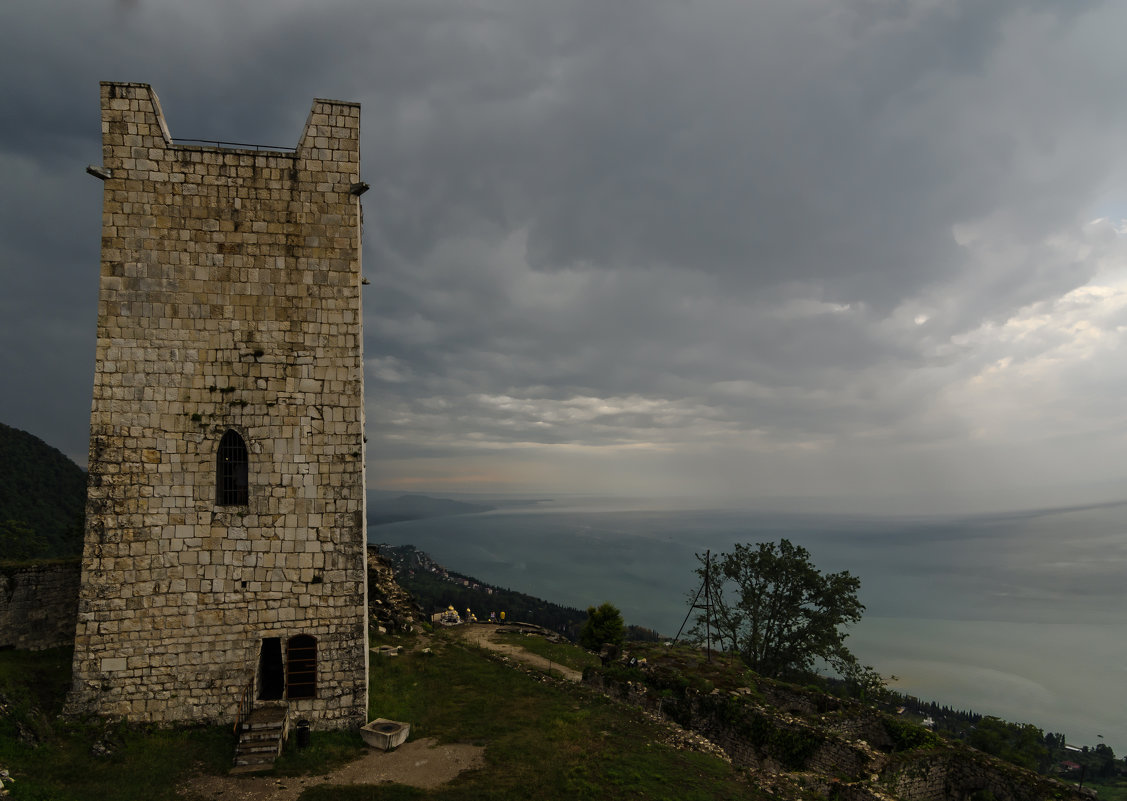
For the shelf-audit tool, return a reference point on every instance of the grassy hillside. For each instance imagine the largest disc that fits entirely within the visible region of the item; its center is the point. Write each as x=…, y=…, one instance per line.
x=42, y=498
x=542, y=738
x=548, y=740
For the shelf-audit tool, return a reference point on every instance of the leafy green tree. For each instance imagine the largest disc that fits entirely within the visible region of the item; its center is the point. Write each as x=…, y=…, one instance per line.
x=18, y=541
x=1055, y=743
x=604, y=625
x=1104, y=760
x=777, y=611
x=1018, y=743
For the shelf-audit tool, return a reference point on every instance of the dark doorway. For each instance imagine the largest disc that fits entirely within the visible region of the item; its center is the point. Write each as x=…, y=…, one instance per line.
x=271, y=674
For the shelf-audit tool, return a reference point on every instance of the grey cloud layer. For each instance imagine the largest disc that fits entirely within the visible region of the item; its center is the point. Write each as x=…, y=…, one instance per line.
x=741, y=237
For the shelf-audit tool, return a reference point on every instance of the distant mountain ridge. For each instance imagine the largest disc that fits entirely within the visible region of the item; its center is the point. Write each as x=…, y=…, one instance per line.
x=42, y=498
x=417, y=507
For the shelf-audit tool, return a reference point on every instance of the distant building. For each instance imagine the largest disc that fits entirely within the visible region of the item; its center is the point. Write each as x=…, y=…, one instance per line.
x=225, y=539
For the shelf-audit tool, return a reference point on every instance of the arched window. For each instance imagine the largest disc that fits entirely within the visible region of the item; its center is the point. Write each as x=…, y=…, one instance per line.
x=301, y=666
x=231, y=471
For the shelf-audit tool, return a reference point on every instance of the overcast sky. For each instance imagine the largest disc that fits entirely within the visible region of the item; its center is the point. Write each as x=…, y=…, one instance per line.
x=852, y=249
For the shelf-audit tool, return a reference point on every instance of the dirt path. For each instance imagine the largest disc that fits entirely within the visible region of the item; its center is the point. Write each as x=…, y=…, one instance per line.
x=509, y=644
x=419, y=763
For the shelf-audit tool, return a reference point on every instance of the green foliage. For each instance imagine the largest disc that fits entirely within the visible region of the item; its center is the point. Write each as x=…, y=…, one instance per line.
x=791, y=746
x=621, y=672
x=642, y=634
x=1098, y=762
x=700, y=672
x=778, y=611
x=604, y=625
x=908, y=736
x=19, y=542
x=42, y=499
x=1021, y=744
x=666, y=677
x=863, y=683
x=1104, y=759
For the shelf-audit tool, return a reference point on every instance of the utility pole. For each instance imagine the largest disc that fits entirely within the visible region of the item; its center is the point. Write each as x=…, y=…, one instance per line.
x=708, y=603
x=706, y=588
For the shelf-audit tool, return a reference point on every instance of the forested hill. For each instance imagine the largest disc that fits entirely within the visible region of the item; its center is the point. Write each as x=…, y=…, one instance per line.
x=42, y=498
x=435, y=588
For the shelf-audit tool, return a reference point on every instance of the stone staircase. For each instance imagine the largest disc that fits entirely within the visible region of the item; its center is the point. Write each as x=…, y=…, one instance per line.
x=261, y=737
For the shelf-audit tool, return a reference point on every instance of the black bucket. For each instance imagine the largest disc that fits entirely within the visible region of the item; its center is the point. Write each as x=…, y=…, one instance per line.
x=303, y=733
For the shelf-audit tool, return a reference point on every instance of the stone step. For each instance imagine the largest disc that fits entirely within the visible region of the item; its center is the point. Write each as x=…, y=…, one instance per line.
x=258, y=723
x=257, y=748
x=261, y=734
x=260, y=739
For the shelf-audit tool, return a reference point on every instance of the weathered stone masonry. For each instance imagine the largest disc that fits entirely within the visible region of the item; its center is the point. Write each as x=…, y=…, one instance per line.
x=38, y=605
x=229, y=301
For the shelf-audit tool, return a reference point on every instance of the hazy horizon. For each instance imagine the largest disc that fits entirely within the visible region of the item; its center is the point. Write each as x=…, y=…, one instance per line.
x=1035, y=502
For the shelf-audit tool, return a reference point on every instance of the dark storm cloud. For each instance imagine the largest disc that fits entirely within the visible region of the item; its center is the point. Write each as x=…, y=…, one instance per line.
x=725, y=234
x=761, y=144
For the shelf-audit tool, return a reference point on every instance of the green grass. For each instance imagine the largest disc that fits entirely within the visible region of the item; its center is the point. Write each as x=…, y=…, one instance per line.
x=722, y=670
x=50, y=758
x=327, y=751
x=1107, y=789
x=542, y=740
x=145, y=764
x=562, y=653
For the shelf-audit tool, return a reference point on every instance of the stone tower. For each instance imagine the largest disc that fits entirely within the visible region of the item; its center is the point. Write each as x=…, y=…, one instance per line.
x=225, y=529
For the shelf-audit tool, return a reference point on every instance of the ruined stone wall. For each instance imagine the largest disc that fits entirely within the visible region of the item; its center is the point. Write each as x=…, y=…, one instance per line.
x=843, y=756
x=229, y=300
x=38, y=605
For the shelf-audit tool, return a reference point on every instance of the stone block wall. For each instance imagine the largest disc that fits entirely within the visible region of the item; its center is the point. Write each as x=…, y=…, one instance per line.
x=229, y=300
x=38, y=605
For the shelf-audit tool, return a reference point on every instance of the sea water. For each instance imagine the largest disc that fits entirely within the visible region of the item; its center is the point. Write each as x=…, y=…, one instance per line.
x=1017, y=615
